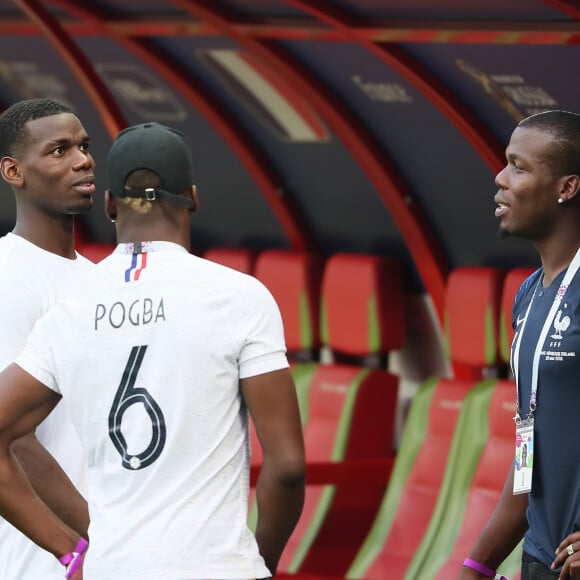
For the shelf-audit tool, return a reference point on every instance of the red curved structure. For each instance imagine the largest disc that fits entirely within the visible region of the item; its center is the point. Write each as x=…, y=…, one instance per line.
x=81, y=67
x=570, y=7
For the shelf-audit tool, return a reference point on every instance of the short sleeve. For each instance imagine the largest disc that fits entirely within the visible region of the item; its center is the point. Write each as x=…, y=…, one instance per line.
x=37, y=357
x=263, y=344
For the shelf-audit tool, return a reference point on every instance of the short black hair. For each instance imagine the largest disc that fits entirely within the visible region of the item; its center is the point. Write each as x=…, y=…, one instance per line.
x=564, y=127
x=13, y=121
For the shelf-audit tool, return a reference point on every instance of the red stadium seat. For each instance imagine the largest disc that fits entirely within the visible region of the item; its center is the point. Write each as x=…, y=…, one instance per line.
x=472, y=306
x=423, y=459
x=415, y=482
x=452, y=538
x=351, y=416
x=351, y=409
x=294, y=279
x=94, y=251
x=512, y=282
x=467, y=506
x=362, y=305
x=240, y=259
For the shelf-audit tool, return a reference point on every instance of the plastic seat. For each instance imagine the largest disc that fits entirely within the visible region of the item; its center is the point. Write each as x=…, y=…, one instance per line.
x=474, y=485
x=512, y=282
x=415, y=481
x=240, y=259
x=450, y=538
x=294, y=278
x=472, y=307
x=352, y=416
x=351, y=409
x=95, y=251
x=426, y=453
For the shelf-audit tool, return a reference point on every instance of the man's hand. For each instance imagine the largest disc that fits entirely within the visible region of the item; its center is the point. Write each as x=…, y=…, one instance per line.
x=568, y=556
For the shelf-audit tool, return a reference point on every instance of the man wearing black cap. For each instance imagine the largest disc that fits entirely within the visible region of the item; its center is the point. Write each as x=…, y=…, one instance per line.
x=159, y=356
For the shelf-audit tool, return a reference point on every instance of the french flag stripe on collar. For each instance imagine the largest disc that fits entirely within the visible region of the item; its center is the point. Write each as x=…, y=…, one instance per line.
x=138, y=264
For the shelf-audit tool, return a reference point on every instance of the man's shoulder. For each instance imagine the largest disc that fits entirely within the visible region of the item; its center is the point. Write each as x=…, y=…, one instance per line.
x=230, y=280
x=8, y=251
x=15, y=262
x=527, y=286
x=213, y=271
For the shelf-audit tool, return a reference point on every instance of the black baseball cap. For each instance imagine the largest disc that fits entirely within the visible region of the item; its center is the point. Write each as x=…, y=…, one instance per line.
x=157, y=148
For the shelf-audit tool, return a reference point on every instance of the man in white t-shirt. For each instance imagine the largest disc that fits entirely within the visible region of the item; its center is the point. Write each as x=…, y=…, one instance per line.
x=159, y=356
x=45, y=160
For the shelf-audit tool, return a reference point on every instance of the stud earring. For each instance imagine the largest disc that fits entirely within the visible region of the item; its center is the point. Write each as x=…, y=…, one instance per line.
x=560, y=200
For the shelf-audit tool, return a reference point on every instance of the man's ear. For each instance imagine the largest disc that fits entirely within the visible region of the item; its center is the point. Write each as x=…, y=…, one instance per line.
x=570, y=187
x=575, y=186
x=194, y=199
x=10, y=170
x=110, y=206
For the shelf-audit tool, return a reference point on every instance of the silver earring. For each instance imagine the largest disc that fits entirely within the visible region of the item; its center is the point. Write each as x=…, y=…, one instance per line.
x=560, y=200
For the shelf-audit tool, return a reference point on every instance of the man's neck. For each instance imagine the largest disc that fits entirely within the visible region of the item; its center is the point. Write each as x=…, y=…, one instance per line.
x=557, y=253
x=161, y=233
x=53, y=236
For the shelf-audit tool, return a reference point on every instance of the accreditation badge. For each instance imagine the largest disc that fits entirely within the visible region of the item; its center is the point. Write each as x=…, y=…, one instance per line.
x=524, y=458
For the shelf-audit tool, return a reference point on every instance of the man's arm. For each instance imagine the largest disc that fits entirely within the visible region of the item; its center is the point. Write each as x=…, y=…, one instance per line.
x=503, y=531
x=24, y=403
x=18, y=312
x=51, y=483
x=271, y=400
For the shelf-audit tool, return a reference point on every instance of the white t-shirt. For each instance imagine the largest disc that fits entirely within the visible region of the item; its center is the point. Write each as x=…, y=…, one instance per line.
x=148, y=356
x=31, y=281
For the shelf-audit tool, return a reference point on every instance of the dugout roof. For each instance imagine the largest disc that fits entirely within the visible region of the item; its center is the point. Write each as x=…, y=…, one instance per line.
x=330, y=125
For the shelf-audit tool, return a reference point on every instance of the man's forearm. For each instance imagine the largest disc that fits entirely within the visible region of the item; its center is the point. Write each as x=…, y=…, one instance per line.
x=280, y=502
x=503, y=531
x=51, y=483
x=22, y=507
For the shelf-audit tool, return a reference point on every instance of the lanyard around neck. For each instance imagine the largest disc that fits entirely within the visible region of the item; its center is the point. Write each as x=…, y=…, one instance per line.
x=572, y=269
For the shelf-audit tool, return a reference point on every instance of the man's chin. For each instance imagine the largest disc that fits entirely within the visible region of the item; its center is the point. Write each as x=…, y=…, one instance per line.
x=84, y=207
x=503, y=233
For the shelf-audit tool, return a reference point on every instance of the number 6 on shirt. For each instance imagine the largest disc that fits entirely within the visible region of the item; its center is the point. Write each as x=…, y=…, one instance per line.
x=127, y=395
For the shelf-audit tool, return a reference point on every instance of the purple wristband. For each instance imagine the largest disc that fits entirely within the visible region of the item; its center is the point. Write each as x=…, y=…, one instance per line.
x=73, y=560
x=482, y=569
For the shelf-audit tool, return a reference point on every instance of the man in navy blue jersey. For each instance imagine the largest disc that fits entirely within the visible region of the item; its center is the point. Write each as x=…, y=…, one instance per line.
x=538, y=199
